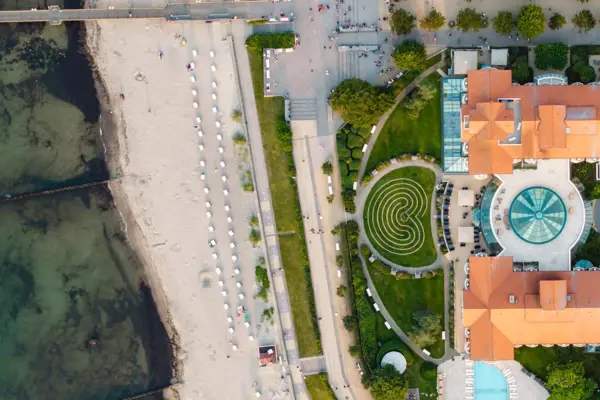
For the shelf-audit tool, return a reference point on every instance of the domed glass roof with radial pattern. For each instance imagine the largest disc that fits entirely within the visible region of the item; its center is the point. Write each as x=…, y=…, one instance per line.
x=537, y=215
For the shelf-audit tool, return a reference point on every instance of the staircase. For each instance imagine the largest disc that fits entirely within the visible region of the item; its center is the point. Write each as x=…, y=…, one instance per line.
x=303, y=109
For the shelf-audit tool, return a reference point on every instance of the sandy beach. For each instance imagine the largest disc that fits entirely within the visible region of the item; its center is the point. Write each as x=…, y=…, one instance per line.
x=164, y=172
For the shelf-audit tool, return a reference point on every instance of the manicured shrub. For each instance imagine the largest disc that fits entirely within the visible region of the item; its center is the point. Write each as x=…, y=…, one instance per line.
x=551, y=56
x=354, y=141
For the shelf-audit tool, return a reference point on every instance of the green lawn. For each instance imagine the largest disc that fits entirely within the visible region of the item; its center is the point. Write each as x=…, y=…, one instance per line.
x=318, y=387
x=402, y=135
x=538, y=358
x=419, y=374
x=405, y=297
x=378, y=223
x=408, y=77
x=285, y=197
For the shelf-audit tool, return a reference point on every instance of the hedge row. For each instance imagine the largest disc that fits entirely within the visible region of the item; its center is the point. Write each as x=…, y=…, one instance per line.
x=260, y=41
x=361, y=307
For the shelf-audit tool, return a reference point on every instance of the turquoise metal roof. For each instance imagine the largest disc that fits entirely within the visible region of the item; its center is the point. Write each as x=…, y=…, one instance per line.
x=537, y=215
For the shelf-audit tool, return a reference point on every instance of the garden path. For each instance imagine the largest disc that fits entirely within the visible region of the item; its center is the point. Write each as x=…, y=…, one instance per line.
x=365, y=158
x=441, y=261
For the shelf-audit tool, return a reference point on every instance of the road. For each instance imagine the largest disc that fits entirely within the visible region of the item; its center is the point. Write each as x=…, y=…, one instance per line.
x=203, y=11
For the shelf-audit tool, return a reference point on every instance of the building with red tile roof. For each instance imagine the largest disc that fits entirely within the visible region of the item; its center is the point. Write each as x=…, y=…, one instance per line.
x=505, y=123
x=504, y=308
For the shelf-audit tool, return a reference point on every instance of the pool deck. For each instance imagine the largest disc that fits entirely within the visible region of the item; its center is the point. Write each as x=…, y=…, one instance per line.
x=454, y=374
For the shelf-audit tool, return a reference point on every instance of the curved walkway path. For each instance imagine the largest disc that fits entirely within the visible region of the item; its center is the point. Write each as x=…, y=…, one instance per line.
x=384, y=117
x=441, y=261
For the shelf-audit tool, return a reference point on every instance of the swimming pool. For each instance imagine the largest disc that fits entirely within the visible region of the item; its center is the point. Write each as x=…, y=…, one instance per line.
x=489, y=383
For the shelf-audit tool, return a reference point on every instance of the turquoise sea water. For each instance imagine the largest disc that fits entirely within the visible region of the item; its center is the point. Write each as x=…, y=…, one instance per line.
x=76, y=319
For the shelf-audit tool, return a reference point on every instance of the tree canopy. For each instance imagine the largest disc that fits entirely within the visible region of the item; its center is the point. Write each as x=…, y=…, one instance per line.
x=360, y=103
x=585, y=71
x=584, y=20
x=551, y=56
x=521, y=72
x=260, y=41
x=504, y=22
x=418, y=99
x=402, y=22
x=531, y=21
x=567, y=382
x=557, y=21
x=433, y=21
x=469, y=19
x=428, y=329
x=388, y=384
x=410, y=55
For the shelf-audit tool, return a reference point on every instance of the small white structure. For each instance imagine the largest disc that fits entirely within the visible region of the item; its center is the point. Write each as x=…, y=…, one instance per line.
x=206, y=190
x=224, y=178
x=214, y=85
x=232, y=245
x=226, y=306
x=221, y=150
x=396, y=359
x=212, y=54
x=214, y=96
x=376, y=307
x=465, y=234
x=500, y=57
x=202, y=177
x=219, y=138
x=201, y=147
x=217, y=124
x=194, y=92
x=231, y=330
x=230, y=233
x=234, y=258
x=215, y=256
x=202, y=163
x=241, y=296
x=387, y=325
x=213, y=68
x=224, y=293
x=236, y=271
x=226, y=192
x=200, y=134
x=227, y=208
x=238, y=284
x=215, y=110
x=466, y=198
x=369, y=292
x=207, y=204
x=211, y=228
x=222, y=163
x=194, y=53
x=192, y=79
x=464, y=61
x=218, y=271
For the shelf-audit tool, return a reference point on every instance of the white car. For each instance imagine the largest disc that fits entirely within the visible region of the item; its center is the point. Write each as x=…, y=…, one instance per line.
x=212, y=54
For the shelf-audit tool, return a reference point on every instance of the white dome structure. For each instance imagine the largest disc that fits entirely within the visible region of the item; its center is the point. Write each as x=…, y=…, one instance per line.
x=396, y=359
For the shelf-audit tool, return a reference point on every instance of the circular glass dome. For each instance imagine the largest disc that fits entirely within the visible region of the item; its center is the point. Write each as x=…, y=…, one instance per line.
x=537, y=215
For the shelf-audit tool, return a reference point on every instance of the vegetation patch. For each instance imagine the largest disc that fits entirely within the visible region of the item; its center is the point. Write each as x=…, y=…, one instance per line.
x=360, y=103
x=318, y=387
x=551, y=56
x=569, y=372
x=277, y=147
x=397, y=217
x=401, y=135
x=408, y=300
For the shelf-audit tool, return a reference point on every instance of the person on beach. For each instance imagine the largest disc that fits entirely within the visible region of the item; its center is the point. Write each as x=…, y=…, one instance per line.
x=122, y=96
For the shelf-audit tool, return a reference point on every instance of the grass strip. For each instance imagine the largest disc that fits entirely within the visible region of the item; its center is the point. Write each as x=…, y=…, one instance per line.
x=318, y=387
x=402, y=135
x=287, y=212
